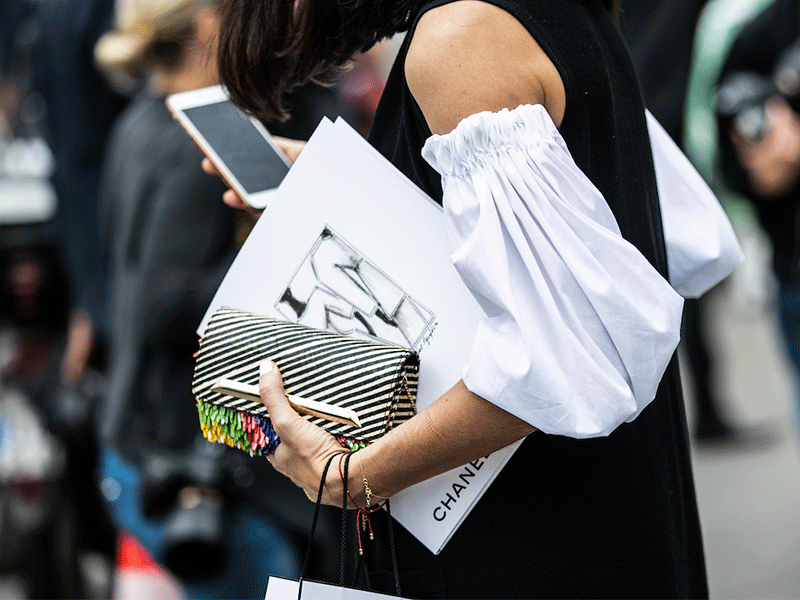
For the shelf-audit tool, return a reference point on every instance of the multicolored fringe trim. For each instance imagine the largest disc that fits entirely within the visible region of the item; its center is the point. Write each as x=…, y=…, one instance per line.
x=237, y=429
x=247, y=432
x=351, y=444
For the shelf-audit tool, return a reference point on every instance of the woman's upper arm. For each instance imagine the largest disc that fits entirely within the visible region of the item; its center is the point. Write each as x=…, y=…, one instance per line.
x=470, y=56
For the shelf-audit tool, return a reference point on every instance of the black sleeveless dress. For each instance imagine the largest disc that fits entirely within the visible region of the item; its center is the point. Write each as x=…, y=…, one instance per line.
x=611, y=517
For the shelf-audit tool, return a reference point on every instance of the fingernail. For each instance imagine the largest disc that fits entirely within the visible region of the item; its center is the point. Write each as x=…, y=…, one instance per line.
x=266, y=367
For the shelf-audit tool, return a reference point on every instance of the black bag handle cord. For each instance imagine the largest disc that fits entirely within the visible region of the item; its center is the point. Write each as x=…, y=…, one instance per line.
x=343, y=547
x=314, y=523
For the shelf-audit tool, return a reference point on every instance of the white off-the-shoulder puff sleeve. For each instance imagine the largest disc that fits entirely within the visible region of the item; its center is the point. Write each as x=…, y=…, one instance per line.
x=702, y=248
x=579, y=326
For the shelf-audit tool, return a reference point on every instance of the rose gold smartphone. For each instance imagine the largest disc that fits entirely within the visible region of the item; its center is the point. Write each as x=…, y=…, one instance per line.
x=240, y=147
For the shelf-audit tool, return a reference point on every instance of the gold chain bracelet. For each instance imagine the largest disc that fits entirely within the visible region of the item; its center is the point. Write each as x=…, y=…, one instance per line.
x=367, y=489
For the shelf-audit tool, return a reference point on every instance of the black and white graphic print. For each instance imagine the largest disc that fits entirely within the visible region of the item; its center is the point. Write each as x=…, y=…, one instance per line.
x=337, y=289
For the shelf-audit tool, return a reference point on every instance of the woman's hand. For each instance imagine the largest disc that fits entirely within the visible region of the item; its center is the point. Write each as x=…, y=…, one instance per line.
x=80, y=342
x=773, y=162
x=291, y=148
x=304, y=447
x=230, y=197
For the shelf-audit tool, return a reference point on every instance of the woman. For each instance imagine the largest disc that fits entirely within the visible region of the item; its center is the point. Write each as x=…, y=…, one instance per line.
x=170, y=245
x=580, y=510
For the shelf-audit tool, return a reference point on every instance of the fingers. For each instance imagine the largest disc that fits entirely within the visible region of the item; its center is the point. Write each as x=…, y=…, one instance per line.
x=209, y=167
x=270, y=386
x=233, y=200
x=291, y=148
x=230, y=197
x=304, y=447
x=778, y=110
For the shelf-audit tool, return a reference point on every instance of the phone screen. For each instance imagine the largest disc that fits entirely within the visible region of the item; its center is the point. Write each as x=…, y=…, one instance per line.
x=248, y=155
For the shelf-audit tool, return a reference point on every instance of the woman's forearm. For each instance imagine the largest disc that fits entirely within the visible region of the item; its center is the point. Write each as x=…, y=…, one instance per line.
x=457, y=428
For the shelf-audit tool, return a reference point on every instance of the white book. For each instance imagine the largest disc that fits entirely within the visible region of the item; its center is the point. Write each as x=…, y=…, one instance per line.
x=342, y=200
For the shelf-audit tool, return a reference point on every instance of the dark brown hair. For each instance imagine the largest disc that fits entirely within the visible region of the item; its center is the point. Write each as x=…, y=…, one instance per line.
x=269, y=47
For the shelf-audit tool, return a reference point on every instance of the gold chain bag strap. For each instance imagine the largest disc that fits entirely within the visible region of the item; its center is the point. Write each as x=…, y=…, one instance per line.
x=355, y=389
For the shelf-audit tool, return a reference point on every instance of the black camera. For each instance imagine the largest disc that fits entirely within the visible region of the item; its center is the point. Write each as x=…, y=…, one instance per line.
x=192, y=490
x=740, y=102
x=742, y=96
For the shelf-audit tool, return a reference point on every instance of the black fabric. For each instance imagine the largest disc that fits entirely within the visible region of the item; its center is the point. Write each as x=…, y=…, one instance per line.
x=612, y=517
x=662, y=54
x=756, y=49
x=307, y=105
x=170, y=242
x=80, y=110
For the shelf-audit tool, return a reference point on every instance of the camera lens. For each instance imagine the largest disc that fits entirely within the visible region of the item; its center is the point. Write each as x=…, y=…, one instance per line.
x=193, y=542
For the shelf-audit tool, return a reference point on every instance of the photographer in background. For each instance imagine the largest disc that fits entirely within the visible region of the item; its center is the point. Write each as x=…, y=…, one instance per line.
x=196, y=507
x=663, y=57
x=758, y=114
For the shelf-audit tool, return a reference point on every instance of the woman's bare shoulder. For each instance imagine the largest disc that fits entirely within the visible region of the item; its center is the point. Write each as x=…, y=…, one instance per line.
x=469, y=56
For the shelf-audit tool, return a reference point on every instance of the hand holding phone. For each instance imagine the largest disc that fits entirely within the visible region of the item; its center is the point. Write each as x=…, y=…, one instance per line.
x=238, y=146
x=230, y=197
x=291, y=148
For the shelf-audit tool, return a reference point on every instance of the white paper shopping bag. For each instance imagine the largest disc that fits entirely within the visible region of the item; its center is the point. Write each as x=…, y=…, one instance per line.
x=285, y=589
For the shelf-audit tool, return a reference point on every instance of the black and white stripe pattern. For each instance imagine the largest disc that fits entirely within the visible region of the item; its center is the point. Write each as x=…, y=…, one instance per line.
x=378, y=382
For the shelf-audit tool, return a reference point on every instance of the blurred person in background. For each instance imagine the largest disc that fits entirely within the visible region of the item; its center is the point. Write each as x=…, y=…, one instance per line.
x=220, y=520
x=663, y=56
x=79, y=107
x=40, y=545
x=58, y=111
x=170, y=243
x=12, y=14
x=758, y=117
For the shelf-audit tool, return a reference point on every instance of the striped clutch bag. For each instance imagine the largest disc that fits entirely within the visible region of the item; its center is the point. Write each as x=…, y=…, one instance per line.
x=355, y=389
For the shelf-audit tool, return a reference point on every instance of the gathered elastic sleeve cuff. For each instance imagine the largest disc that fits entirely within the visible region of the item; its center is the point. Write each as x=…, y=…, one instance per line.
x=579, y=326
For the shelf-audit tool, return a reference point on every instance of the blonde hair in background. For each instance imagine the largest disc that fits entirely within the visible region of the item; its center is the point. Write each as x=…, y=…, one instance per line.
x=146, y=32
